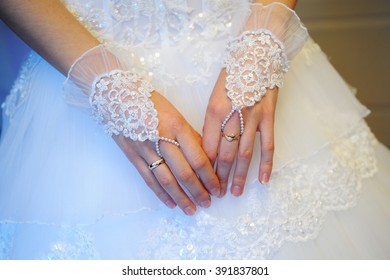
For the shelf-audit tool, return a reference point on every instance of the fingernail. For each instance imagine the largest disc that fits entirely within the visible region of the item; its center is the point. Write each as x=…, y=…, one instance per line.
x=264, y=178
x=216, y=192
x=236, y=190
x=205, y=203
x=222, y=191
x=189, y=210
x=170, y=204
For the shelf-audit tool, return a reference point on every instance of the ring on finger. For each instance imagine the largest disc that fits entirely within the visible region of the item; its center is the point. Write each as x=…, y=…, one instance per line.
x=156, y=164
x=231, y=137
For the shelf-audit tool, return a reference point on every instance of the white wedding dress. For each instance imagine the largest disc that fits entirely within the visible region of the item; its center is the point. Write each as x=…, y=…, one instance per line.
x=68, y=192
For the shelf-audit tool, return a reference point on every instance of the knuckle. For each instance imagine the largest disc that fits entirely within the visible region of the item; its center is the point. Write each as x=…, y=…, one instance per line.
x=148, y=180
x=266, y=167
x=269, y=146
x=200, y=163
x=266, y=163
x=183, y=202
x=199, y=198
x=187, y=177
x=239, y=180
x=212, y=182
x=177, y=123
x=161, y=194
x=245, y=154
x=211, y=154
x=226, y=158
x=216, y=109
x=166, y=182
x=224, y=181
x=128, y=150
x=268, y=112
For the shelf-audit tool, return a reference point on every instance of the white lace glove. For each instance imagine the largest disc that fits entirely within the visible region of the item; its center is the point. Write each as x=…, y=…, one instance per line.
x=258, y=59
x=120, y=99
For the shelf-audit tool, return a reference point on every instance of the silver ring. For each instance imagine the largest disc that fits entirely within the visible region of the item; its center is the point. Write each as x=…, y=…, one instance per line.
x=156, y=164
x=231, y=137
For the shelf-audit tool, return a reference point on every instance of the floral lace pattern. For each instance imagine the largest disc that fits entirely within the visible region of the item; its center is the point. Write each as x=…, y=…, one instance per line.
x=120, y=100
x=293, y=208
x=73, y=243
x=70, y=243
x=154, y=23
x=256, y=61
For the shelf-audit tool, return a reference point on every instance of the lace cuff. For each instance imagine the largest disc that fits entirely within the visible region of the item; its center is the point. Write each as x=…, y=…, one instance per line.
x=94, y=62
x=282, y=22
x=119, y=98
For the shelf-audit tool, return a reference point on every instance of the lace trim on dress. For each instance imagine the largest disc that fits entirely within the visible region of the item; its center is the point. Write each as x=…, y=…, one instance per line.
x=73, y=243
x=292, y=208
x=19, y=90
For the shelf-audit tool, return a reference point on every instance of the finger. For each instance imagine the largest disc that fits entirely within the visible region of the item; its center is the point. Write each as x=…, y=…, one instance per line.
x=267, y=148
x=130, y=149
x=199, y=162
x=184, y=173
x=143, y=168
x=244, y=157
x=169, y=183
x=227, y=152
x=167, y=180
x=211, y=137
x=218, y=107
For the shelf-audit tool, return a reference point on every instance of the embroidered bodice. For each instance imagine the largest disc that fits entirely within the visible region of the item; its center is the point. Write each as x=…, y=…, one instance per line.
x=153, y=22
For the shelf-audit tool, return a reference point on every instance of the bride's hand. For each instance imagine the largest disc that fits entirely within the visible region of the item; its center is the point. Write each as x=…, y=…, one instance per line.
x=187, y=177
x=223, y=153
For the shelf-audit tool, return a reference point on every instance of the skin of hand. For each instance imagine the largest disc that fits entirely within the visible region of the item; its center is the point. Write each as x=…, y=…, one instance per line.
x=186, y=167
x=258, y=118
x=50, y=29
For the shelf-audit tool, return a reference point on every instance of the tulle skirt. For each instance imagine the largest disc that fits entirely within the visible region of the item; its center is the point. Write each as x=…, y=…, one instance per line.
x=68, y=192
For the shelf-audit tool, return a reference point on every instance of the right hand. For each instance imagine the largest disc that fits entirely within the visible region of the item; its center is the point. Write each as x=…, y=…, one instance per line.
x=186, y=166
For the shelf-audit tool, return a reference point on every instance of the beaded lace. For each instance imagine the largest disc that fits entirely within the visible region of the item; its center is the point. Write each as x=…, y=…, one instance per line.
x=72, y=243
x=120, y=100
x=155, y=23
x=255, y=61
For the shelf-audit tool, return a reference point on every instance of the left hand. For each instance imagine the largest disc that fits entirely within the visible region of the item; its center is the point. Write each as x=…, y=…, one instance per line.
x=223, y=153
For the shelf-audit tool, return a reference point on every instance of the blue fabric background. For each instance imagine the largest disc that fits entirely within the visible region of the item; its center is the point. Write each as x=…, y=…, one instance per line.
x=13, y=52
